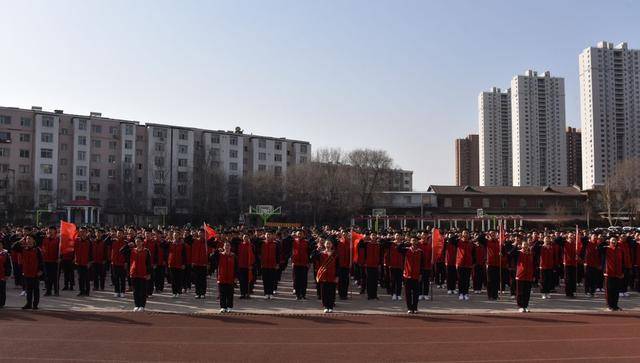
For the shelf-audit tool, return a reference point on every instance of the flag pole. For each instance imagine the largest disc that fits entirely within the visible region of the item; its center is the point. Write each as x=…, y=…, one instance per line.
x=500, y=242
x=350, y=259
x=57, y=280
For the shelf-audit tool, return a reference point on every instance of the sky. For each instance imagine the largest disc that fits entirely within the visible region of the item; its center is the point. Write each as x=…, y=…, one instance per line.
x=403, y=76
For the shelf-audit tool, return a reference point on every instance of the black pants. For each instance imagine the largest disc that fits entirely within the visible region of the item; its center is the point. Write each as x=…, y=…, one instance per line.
x=396, y=281
x=69, y=277
x=523, y=293
x=17, y=274
x=99, y=275
x=440, y=274
x=590, y=280
x=119, y=283
x=32, y=287
x=579, y=274
x=139, y=291
x=51, y=281
x=150, y=283
x=3, y=293
x=200, y=277
x=627, y=280
x=226, y=295
x=84, y=285
x=411, y=292
x=186, y=283
x=328, y=294
x=424, y=284
x=613, y=289
x=478, y=277
x=546, y=276
x=493, y=281
x=512, y=282
x=300, y=277
x=372, y=282
x=268, y=280
x=243, y=279
x=343, y=282
x=569, y=280
x=176, y=280
x=463, y=284
x=159, y=275
x=452, y=277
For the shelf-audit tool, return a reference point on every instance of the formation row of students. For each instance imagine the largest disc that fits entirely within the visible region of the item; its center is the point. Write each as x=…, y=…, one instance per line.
x=144, y=259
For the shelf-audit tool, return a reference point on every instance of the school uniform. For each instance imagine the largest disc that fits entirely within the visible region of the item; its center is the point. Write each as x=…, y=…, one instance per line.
x=494, y=266
x=269, y=252
x=525, y=268
x=371, y=255
x=546, y=257
x=32, y=268
x=450, y=263
x=50, y=254
x=68, y=269
x=592, y=265
x=344, y=257
x=199, y=263
x=411, y=273
x=613, y=259
x=246, y=259
x=327, y=277
x=160, y=269
x=464, y=263
x=427, y=254
x=83, y=256
x=479, y=261
x=139, y=270
x=395, y=263
x=5, y=272
x=569, y=260
x=98, y=269
x=226, y=277
x=176, y=261
x=300, y=261
x=117, y=265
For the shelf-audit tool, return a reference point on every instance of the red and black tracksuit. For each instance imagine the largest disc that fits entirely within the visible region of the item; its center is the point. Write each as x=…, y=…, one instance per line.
x=593, y=268
x=613, y=259
x=525, y=270
x=226, y=277
x=117, y=265
x=269, y=262
x=160, y=270
x=199, y=264
x=327, y=276
x=140, y=272
x=412, y=273
x=5, y=271
x=50, y=253
x=394, y=263
x=494, y=267
x=450, y=262
x=98, y=269
x=370, y=252
x=427, y=254
x=344, y=257
x=32, y=268
x=627, y=264
x=176, y=261
x=464, y=263
x=479, y=261
x=246, y=259
x=300, y=261
x=83, y=256
x=68, y=267
x=546, y=256
x=569, y=260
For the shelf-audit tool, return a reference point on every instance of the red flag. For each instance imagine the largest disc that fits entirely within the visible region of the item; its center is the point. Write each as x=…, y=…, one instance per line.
x=437, y=245
x=209, y=232
x=68, y=234
x=355, y=239
x=501, y=237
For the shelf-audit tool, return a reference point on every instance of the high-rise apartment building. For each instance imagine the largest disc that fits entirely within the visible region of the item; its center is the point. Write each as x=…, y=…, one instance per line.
x=467, y=161
x=609, y=109
x=574, y=156
x=494, y=118
x=93, y=166
x=538, y=130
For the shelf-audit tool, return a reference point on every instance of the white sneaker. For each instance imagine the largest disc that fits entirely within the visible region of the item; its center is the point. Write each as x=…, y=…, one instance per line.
x=449, y=292
x=330, y=310
x=399, y=297
x=135, y=310
x=476, y=292
x=116, y=294
x=326, y=311
x=526, y=310
x=141, y=309
x=460, y=297
x=229, y=310
x=627, y=294
x=394, y=297
x=427, y=297
x=548, y=296
x=522, y=310
x=421, y=297
x=620, y=294
x=409, y=312
x=544, y=296
x=266, y=297
x=23, y=293
x=223, y=310
x=466, y=297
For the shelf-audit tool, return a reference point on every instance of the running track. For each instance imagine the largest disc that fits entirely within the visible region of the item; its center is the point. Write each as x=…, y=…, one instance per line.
x=84, y=337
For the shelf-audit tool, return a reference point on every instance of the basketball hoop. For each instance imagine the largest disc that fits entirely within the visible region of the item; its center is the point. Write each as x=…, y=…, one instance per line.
x=265, y=212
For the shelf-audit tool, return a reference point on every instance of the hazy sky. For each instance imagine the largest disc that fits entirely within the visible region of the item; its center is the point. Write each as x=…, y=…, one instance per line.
x=398, y=75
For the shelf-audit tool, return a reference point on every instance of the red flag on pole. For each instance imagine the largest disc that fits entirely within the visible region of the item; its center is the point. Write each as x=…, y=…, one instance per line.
x=68, y=234
x=209, y=232
x=501, y=236
x=355, y=239
x=437, y=245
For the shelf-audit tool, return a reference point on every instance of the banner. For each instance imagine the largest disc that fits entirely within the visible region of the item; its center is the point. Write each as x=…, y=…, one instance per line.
x=68, y=233
x=437, y=245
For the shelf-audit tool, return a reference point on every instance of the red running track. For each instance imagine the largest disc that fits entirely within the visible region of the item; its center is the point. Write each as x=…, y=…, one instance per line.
x=80, y=337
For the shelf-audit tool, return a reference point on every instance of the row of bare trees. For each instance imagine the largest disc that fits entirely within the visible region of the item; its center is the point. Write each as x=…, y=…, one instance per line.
x=618, y=199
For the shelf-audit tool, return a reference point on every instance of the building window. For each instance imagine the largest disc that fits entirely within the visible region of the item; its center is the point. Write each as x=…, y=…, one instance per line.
x=540, y=204
x=96, y=143
x=82, y=155
x=303, y=149
x=466, y=202
x=128, y=159
x=262, y=156
x=128, y=129
x=262, y=143
x=25, y=153
x=5, y=137
x=183, y=176
x=277, y=157
x=23, y=169
x=233, y=153
x=111, y=159
x=81, y=186
x=47, y=121
x=46, y=185
x=182, y=162
x=4, y=152
x=113, y=130
x=5, y=120
x=111, y=173
x=215, y=139
x=159, y=147
x=46, y=137
x=81, y=170
x=262, y=167
x=183, y=135
x=25, y=122
x=182, y=189
x=63, y=176
x=158, y=132
x=82, y=124
x=82, y=140
x=447, y=202
x=95, y=173
x=159, y=174
x=159, y=161
x=46, y=168
x=25, y=137
x=94, y=187
x=233, y=166
x=95, y=158
x=113, y=145
x=278, y=145
x=233, y=140
x=97, y=129
x=485, y=201
x=128, y=144
x=183, y=149
x=523, y=203
x=303, y=159
x=46, y=153
x=277, y=170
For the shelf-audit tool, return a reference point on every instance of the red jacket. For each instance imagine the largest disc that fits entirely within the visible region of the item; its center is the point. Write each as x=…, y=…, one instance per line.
x=140, y=263
x=412, y=263
x=177, y=254
x=152, y=246
x=5, y=264
x=450, y=254
x=327, y=268
x=480, y=252
x=547, y=257
x=50, y=248
x=464, y=256
x=592, y=257
x=245, y=255
x=31, y=262
x=82, y=252
x=226, y=268
x=569, y=254
x=525, y=268
x=344, y=253
x=199, y=255
x=395, y=257
x=493, y=253
x=268, y=255
x=117, y=258
x=300, y=256
x=427, y=252
x=99, y=251
x=371, y=254
x=613, y=261
x=626, y=254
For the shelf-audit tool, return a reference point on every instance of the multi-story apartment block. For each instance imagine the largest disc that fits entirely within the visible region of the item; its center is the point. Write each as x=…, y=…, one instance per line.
x=538, y=125
x=609, y=109
x=494, y=118
x=574, y=156
x=467, y=161
x=87, y=166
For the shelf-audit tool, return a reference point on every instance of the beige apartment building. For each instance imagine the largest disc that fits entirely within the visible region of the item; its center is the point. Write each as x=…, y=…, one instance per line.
x=93, y=169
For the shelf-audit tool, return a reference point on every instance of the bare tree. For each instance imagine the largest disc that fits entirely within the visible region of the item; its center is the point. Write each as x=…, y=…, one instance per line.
x=620, y=194
x=369, y=167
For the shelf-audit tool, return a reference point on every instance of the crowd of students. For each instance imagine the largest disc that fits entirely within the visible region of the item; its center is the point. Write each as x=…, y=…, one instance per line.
x=145, y=260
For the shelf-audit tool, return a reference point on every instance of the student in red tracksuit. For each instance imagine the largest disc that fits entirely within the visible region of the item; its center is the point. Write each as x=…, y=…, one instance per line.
x=493, y=257
x=117, y=264
x=269, y=253
x=412, y=273
x=569, y=261
x=327, y=274
x=83, y=256
x=395, y=264
x=479, y=262
x=32, y=269
x=139, y=270
x=627, y=265
x=369, y=248
x=344, y=258
x=592, y=265
x=464, y=263
x=226, y=262
x=100, y=252
x=200, y=263
x=450, y=262
x=300, y=261
x=425, y=244
x=160, y=270
x=613, y=256
x=151, y=243
x=246, y=259
x=525, y=262
x=176, y=261
x=50, y=253
x=546, y=255
x=5, y=272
